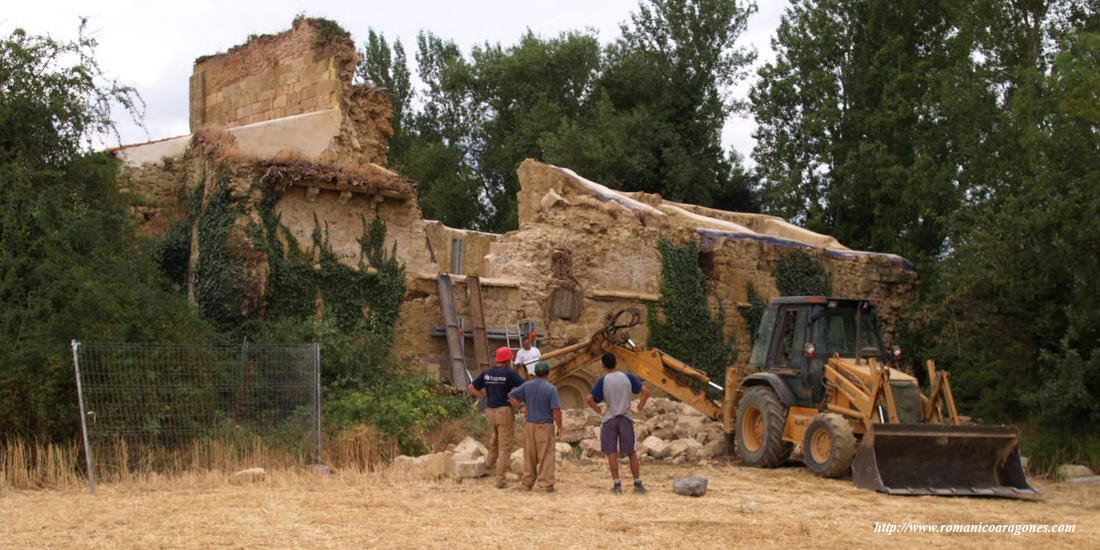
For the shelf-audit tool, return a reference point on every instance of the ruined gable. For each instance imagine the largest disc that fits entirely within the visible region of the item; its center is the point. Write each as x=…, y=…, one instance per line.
x=303, y=78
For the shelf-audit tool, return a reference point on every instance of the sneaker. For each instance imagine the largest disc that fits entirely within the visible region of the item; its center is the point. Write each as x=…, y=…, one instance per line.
x=617, y=490
x=640, y=489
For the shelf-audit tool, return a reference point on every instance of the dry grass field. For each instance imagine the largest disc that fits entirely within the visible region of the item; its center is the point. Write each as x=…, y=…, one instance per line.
x=783, y=508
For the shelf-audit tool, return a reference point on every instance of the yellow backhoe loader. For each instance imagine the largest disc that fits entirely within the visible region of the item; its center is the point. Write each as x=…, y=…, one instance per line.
x=819, y=376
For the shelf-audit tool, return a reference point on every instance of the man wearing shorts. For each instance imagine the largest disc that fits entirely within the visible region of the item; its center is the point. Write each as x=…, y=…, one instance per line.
x=617, y=428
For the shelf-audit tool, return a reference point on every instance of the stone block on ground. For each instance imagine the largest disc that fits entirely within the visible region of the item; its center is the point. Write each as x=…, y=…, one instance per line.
x=515, y=462
x=1070, y=471
x=691, y=487
x=562, y=449
x=713, y=448
x=688, y=426
x=465, y=469
x=469, y=449
x=429, y=466
x=663, y=433
x=682, y=447
x=590, y=446
x=656, y=447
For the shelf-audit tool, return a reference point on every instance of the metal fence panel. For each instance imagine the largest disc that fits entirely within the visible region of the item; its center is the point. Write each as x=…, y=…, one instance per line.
x=156, y=406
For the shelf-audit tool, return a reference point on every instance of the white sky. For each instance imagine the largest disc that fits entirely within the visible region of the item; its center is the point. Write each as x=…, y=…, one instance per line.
x=152, y=45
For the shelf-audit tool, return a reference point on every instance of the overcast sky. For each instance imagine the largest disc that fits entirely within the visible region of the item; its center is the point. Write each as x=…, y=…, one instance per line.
x=152, y=45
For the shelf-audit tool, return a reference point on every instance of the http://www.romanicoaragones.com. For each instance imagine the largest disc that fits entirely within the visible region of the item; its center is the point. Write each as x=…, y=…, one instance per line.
x=1005, y=528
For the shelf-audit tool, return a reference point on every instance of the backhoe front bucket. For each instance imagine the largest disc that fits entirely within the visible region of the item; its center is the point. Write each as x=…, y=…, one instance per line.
x=938, y=459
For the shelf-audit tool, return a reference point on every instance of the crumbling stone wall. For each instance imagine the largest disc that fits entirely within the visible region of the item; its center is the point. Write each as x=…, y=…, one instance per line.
x=612, y=243
x=582, y=251
x=306, y=69
x=269, y=77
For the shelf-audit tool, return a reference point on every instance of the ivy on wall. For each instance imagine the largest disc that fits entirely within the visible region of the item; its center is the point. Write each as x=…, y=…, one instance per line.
x=219, y=273
x=299, y=280
x=753, y=312
x=797, y=274
x=800, y=274
x=682, y=323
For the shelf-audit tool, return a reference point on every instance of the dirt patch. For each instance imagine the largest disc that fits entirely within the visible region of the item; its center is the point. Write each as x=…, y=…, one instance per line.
x=786, y=507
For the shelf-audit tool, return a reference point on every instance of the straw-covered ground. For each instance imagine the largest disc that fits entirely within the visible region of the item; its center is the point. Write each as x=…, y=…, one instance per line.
x=744, y=507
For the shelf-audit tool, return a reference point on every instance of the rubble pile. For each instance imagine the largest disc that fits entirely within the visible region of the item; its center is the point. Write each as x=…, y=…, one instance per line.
x=666, y=430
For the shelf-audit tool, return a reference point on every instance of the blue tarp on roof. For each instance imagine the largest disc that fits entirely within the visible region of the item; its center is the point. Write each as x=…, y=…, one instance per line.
x=710, y=234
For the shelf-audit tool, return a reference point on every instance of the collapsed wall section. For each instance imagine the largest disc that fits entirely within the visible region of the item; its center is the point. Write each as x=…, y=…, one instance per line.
x=583, y=251
x=303, y=71
x=280, y=114
x=269, y=77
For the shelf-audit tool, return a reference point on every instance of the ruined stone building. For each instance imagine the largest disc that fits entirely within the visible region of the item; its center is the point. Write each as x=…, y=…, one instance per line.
x=282, y=111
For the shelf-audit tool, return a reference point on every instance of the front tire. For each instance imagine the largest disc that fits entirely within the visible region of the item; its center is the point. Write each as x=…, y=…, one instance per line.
x=829, y=445
x=761, y=418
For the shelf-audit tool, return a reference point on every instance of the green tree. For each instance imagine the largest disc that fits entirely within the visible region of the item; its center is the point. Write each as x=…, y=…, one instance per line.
x=642, y=114
x=387, y=67
x=870, y=119
x=661, y=101
x=1021, y=314
x=70, y=266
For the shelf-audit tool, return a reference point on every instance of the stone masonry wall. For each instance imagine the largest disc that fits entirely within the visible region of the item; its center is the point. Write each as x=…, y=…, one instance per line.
x=270, y=77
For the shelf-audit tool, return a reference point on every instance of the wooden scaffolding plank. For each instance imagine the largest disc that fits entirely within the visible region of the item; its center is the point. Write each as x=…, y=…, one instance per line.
x=477, y=317
x=457, y=358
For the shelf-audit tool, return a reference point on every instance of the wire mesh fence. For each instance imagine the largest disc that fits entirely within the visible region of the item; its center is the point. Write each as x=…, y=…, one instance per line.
x=156, y=407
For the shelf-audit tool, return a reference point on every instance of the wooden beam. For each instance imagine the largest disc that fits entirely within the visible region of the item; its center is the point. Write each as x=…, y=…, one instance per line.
x=484, y=281
x=477, y=316
x=597, y=294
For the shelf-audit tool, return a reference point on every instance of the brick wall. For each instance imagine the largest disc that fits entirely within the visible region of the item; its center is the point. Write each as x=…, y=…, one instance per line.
x=267, y=78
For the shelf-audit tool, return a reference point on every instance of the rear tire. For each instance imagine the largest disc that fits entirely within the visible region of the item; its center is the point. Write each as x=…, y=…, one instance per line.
x=829, y=445
x=761, y=418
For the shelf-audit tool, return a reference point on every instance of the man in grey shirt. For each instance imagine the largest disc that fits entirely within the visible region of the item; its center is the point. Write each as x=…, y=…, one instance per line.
x=543, y=413
x=617, y=428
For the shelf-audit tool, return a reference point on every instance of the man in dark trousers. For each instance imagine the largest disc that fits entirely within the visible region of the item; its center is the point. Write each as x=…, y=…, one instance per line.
x=543, y=407
x=493, y=386
x=617, y=428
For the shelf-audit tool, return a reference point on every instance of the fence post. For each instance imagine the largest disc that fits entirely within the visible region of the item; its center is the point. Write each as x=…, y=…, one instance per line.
x=83, y=418
x=317, y=397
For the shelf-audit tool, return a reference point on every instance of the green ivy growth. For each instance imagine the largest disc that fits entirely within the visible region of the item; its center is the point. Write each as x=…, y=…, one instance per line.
x=171, y=252
x=800, y=274
x=682, y=324
x=754, y=311
x=220, y=271
x=291, y=289
x=296, y=279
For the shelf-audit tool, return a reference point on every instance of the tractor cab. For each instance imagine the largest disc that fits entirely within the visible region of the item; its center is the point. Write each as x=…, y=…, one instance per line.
x=798, y=334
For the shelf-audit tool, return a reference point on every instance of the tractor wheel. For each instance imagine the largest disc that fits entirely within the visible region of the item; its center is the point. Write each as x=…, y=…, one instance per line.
x=829, y=445
x=761, y=418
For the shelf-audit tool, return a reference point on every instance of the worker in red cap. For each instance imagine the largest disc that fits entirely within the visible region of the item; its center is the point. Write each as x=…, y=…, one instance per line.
x=493, y=386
